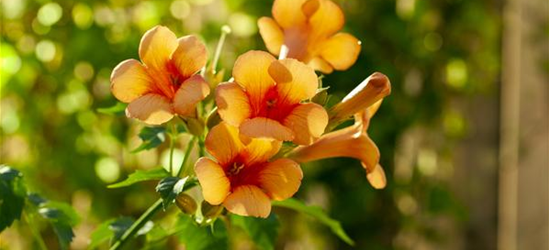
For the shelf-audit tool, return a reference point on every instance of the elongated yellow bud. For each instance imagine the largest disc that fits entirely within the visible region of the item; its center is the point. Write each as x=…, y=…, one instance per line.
x=371, y=90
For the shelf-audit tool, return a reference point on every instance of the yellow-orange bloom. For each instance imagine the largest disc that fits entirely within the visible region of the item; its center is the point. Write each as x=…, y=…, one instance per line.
x=164, y=84
x=265, y=101
x=242, y=178
x=353, y=141
x=309, y=29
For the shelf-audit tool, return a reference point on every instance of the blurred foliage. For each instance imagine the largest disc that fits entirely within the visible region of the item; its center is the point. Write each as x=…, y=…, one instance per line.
x=57, y=57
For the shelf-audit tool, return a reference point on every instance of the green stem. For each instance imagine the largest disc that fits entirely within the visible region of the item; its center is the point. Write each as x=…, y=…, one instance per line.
x=224, y=31
x=35, y=233
x=173, y=135
x=138, y=224
x=190, y=146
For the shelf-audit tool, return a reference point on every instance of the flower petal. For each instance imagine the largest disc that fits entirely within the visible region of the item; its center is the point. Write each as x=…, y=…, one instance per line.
x=191, y=91
x=130, y=80
x=215, y=184
x=260, y=150
x=288, y=13
x=271, y=33
x=152, y=109
x=308, y=121
x=327, y=20
x=341, y=50
x=261, y=127
x=281, y=178
x=248, y=200
x=377, y=177
x=251, y=72
x=156, y=47
x=223, y=143
x=232, y=103
x=295, y=81
x=321, y=65
x=190, y=56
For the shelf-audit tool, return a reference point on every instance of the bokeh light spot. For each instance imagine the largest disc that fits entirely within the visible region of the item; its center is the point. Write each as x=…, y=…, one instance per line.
x=45, y=50
x=107, y=169
x=82, y=15
x=242, y=25
x=83, y=71
x=432, y=41
x=50, y=14
x=456, y=73
x=180, y=9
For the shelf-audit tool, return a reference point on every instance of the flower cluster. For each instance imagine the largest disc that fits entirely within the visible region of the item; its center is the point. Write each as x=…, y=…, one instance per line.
x=266, y=102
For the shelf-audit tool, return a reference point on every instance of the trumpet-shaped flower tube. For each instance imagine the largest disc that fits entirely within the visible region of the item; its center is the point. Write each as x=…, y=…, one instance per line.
x=265, y=101
x=241, y=177
x=352, y=141
x=164, y=83
x=309, y=29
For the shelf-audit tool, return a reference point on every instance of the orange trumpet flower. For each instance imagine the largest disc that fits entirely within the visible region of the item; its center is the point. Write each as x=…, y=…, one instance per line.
x=165, y=83
x=309, y=30
x=242, y=178
x=266, y=99
x=353, y=141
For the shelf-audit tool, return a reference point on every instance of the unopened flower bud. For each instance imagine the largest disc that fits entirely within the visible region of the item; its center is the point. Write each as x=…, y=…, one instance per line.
x=186, y=203
x=210, y=211
x=371, y=90
x=195, y=126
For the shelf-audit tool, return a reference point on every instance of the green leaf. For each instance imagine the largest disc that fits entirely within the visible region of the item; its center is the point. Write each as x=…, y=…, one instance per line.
x=142, y=175
x=152, y=137
x=202, y=238
x=119, y=226
x=262, y=231
x=118, y=109
x=101, y=234
x=113, y=230
x=64, y=234
x=317, y=213
x=12, y=196
x=169, y=188
x=61, y=216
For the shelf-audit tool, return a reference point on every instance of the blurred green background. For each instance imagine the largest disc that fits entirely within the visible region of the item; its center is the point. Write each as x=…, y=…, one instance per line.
x=443, y=59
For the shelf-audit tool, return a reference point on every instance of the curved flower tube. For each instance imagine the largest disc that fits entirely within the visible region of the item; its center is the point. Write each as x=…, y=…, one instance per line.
x=164, y=83
x=352, y=141
x=309, y=29
x=265, y=101
x=241, y=177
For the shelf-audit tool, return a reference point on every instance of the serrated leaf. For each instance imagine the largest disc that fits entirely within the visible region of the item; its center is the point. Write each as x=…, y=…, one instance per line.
x=61, y=216
x=202, y=238
x=64, y=234
x=101, y=234
x=317, y=213
x=169, y=188
x=142, y=175
x=119, y=226
x=36, y=199
x=262, y=231
x=12, y=196
x=151, y=137
x=59, y=212
x=117, y=109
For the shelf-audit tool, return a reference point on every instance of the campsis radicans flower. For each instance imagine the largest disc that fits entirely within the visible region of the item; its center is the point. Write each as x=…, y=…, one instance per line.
x=353, y=141
x=164, y=83
x=266, y=99
x=241, y=177
x=309, y=29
